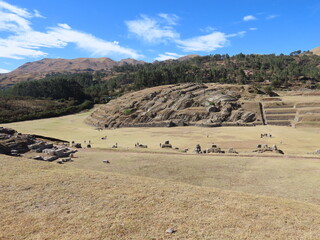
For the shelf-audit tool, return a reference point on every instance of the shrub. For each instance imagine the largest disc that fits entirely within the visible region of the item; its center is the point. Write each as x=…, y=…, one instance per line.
x=127, y=111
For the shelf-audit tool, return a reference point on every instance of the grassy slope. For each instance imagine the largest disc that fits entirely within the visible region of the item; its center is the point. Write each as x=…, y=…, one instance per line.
x=48, y=201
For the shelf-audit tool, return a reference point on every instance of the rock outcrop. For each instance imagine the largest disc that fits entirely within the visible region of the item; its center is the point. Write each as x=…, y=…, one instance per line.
x=14, y=143
x=178, y=105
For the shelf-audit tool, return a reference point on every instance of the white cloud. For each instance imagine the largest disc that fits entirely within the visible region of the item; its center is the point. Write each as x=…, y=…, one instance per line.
x=13, y=23
x=169, y=18
x=167, y=56
x=253, y=29
x=205, y=43
x=17, y=50
x=37, y=14
x=4, y=70
x=64, y=25
x=92, y=44
x=26, y=42
x=208, y=29
x=271, y=17
x=249, y=18
x=15, y=10
x=151, y=30
x=238, y=34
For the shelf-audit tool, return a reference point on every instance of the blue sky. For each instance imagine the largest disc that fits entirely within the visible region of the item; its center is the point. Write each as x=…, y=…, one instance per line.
x=153, y=30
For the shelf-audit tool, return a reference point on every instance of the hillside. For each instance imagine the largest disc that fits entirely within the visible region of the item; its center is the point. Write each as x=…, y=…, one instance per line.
x=50, y=201
x=282, y=71
x=39, y=69
x=181, y=105
x=316, y=51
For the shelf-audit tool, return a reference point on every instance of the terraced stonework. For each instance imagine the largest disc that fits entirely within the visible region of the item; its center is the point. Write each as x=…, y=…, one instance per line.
x=283, y=113
x=181, y=105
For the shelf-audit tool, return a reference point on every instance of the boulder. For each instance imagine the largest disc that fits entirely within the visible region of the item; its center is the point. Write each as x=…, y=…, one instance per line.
x=77, y=145
x=231, y=150
x=39, y=146
x=248, y=117
x=49, y=151
x=50, y=158
x=183, y=104
x=212, y=109
x=8, y=131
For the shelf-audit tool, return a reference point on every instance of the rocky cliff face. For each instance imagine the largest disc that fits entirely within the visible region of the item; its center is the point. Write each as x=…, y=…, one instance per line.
x=180, y=105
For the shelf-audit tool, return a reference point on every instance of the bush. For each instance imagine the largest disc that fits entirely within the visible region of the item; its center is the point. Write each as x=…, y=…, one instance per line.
x=127, y=111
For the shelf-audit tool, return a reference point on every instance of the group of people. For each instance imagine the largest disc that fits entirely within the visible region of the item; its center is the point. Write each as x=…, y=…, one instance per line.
x=262, y=135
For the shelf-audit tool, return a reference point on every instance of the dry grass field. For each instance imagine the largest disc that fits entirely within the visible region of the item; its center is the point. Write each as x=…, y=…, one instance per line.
x=42, y=200
x=243, y=139
x=142, y=192
x=294, y=178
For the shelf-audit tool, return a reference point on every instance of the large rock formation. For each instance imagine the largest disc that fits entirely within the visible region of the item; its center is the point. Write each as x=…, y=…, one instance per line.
x=14, y=143
x=179, y=105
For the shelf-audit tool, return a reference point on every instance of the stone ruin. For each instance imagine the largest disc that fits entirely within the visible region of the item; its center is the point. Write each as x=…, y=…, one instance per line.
x=265, y=148
x=231, y=150
x=54, y=153
x=14, y=144
x=188, y=104
x=139, y=145
x=213, y=149
x=166, y=144
x=76, y=145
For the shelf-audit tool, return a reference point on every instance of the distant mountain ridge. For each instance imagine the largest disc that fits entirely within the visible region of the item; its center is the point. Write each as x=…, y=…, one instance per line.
x=39, y=69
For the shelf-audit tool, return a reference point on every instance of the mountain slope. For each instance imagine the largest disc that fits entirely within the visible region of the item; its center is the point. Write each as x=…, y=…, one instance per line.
x=316, y=51
x=39, y=69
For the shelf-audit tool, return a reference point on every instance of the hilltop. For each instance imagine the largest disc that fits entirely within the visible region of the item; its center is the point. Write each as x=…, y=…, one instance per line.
x=39, y=69
x=316, y=51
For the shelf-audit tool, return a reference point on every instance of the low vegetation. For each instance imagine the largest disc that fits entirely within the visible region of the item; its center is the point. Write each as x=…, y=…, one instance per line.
x=21, y=109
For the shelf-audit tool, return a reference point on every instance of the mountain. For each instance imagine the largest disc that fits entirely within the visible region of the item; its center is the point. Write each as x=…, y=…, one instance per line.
x=316, y=51
x=39, y=69
x=187, y=57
